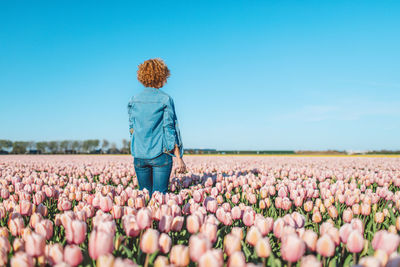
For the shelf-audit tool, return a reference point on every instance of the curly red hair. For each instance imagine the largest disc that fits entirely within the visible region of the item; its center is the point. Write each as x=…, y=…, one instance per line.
x=153, y=73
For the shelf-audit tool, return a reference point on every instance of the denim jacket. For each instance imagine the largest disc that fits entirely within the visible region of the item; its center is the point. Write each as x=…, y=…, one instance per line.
x=154, y=122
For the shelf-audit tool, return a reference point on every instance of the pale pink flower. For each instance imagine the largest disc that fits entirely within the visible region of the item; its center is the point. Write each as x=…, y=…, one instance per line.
x=100, y=243
x=292, y=248
x=73, y=255
x=149, y=241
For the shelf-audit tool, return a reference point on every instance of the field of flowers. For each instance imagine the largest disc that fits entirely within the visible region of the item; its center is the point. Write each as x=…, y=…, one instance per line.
x=233, y=211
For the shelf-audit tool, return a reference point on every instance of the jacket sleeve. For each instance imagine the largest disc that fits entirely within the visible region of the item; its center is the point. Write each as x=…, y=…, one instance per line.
x=171, y=130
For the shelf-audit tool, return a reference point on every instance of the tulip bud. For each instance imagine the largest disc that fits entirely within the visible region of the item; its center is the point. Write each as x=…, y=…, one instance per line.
x=73, y=255
x=355, y=242
x=292, y=248
x=231, y=244
x=263, y=248
x=164, y=243
x=149, y=241
x=180, y=255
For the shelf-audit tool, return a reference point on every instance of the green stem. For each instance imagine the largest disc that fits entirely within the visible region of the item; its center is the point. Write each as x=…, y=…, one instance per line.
x=146, y=262
x=354, y=258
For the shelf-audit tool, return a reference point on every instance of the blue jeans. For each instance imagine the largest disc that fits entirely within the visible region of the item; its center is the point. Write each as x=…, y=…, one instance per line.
x=153, y=174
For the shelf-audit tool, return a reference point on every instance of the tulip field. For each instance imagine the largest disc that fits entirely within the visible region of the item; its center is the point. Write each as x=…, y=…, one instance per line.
x=82, y=210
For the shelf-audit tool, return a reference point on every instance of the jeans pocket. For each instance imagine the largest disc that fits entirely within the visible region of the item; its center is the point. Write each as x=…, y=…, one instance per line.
x=138, y=163
x=161, y=160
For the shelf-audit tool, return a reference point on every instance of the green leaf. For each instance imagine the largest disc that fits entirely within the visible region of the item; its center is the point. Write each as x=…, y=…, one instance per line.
x=348, y=260
x=333, y=263
x=246, y=251
x=392, y=217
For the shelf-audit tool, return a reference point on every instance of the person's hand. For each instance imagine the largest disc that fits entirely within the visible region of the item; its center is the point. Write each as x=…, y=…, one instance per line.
x=131, y=130
x=181, y=168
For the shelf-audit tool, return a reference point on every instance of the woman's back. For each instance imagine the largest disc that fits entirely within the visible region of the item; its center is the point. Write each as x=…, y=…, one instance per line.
x=146, y=110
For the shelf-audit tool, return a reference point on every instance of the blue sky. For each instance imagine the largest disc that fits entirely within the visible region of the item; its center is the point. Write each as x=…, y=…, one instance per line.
x=244, y=74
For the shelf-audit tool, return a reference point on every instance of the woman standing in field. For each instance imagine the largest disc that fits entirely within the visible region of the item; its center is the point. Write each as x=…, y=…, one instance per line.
x=153, y=127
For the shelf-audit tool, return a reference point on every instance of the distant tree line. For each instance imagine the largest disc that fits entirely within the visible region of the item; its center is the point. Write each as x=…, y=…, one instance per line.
x=91, y=146
x=95, y=146
x=385, y=152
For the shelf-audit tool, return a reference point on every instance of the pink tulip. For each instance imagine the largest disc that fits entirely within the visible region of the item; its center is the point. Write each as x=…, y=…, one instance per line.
x=197, y=196
x=44, y=228
x=35, y=244
x=54, y=253
x=236, y=213
x=310, y=261
x=165, y=223
x=232, y=243
x=35, y=218
x=357, y=224
x=325, y=246
x=100, y=243
x=198, y=245
x=15, y=225
x=164, y=243
x=42, y=209
x=143, y=218
x=310, y=238
x=237, y=259
x=344, y=232
x=106, y=226
x=177, y=224
x=316, y=217
x=209, y=259
x=64, y=204
x=308, y=206
x=106, y=203
x=333, y=232
x=117, y=211
x=192, y=224
x=18, y=244
x=73, y=255
x=289, y=221
x=292, y=248
x=5, y=244
x=212, y=206
x=4, y=232
x=3, y=257
x=278, y=227
x=355, y=242
x=298, y=219
x=263, y=248
x=130, y=225
x=21, y=259
x=75, y=232
x=385, y=241
x=264, y=225
x=347, y=215
x=379, y=217
x=180, y=255
x=227, y=219
x=149, y=241
x=210, y=231
x=25, y=207
x=248, y=217
x=106, y=260
x=253, y=235
x=286, y=204
x=237, y=231
x=365, y=209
